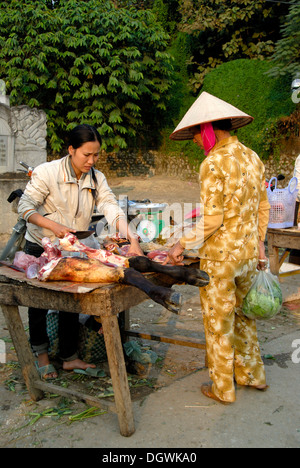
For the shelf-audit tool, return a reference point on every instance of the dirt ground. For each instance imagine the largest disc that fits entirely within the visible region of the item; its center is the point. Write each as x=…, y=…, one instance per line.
x=27, y=424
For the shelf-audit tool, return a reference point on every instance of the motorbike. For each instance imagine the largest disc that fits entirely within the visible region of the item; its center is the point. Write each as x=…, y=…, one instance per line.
x=142, y=215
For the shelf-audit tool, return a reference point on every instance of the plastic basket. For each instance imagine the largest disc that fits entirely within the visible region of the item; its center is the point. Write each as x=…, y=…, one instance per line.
x=283, y=203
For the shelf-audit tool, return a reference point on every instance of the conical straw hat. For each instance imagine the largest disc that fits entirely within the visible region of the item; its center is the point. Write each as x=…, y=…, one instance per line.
x=208, y=108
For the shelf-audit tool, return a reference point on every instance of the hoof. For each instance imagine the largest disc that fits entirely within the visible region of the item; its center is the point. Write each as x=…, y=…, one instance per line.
x=174, y=303
x=197, y=277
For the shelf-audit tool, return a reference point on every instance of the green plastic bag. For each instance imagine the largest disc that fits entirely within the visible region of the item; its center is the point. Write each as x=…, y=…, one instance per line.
x=264, y=300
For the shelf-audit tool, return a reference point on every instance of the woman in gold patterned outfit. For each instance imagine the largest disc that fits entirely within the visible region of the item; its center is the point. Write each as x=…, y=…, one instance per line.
x=230, y=237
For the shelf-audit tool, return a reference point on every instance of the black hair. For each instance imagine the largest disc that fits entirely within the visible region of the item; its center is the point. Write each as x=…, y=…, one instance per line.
x=83, y=134
x=222, y=125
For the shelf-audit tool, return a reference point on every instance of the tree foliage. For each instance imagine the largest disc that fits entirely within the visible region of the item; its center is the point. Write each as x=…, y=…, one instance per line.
x=86, y=61
x=267, y=99
x=225, y=30
x=286, y=58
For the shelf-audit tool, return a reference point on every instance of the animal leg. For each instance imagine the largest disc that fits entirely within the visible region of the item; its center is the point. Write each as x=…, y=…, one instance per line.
x=192, y=276
x=169, y=299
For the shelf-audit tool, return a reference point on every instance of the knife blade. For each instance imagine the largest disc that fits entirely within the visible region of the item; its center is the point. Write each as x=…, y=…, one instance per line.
x=83, y=234
x=10, y=265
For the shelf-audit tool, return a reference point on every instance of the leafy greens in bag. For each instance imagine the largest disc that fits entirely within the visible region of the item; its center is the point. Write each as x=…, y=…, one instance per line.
x=264, y=300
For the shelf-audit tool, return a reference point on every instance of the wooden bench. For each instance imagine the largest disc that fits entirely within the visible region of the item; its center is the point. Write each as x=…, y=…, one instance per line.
x=105, y=301
x=287, y=239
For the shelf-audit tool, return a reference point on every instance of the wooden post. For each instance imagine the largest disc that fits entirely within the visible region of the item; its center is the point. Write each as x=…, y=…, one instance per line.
x=118, y=373
x=24, y=353
x=273, y=253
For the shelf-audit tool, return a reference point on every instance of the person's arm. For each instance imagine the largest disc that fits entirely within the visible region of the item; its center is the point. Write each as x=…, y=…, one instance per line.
x=194, y=238
x=127, y=233
x=58, y=230
x=263, y=221
x=107, y=204
x=33, y=198
x=212, y=201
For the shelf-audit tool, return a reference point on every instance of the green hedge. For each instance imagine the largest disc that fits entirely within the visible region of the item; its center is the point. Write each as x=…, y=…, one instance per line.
x=246, y=85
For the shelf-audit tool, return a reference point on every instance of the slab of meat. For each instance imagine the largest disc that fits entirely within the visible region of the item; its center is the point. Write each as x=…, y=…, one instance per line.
x=71, y=243
x=79, y=270
x=158, y=256
x=90, y=270
x=30, y=264
x=104, y=267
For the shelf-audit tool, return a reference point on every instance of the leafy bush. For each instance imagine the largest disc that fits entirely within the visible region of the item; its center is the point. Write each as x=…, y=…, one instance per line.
x=86, y=61
x=246, y=85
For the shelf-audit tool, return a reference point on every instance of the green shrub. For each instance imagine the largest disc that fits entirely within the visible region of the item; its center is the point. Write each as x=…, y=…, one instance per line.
x=246, y=85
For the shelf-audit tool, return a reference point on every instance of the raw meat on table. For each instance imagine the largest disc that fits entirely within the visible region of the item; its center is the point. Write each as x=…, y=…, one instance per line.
x=71, y=243
x=102, y=266
x=158, y=256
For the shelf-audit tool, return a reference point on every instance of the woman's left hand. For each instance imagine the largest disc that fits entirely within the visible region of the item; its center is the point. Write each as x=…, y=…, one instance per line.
x=262, y=260
x=175, y=256
x=135, y=248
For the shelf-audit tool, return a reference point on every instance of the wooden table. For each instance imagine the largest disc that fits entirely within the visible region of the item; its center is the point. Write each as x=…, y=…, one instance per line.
x=281, y=238
x=105, y=301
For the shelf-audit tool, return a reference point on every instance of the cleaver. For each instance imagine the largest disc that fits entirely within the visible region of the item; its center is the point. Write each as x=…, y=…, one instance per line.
x=83, y=234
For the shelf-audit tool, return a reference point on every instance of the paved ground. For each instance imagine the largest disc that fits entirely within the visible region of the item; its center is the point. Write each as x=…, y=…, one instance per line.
x=173, y=413
x=169, y=410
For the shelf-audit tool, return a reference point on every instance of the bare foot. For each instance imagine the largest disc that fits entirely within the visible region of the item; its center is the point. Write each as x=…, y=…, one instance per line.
x=43, y=360
x=77, y=364
x=262, y=388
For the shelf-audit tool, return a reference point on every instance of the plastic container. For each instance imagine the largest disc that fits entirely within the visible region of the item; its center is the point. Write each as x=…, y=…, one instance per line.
x=283, y=203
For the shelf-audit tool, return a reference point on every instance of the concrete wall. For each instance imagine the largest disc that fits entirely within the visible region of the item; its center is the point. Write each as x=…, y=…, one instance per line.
x=8, y=183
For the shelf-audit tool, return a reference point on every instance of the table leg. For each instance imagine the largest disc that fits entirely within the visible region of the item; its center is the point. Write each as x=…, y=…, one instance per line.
x=24, y=353
x=274, y=260
x=118, y=374
x=273, y=253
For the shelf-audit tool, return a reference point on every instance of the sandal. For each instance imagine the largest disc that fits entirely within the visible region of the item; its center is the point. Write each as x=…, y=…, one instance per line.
x=207, y=391
x=46, y=370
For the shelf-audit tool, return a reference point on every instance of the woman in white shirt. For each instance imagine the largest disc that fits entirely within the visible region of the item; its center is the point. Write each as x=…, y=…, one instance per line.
x=60, y=198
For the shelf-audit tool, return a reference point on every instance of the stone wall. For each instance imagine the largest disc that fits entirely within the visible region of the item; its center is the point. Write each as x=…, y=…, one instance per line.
x=22, y=137
x=140, y=164
x=286, y=163
x=149, y=163
x=8, y=211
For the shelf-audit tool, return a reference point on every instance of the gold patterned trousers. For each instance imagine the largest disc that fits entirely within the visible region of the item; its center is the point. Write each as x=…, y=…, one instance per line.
x=232, y=346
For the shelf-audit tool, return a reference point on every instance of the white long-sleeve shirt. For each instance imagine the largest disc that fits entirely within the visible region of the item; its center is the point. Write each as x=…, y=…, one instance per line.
x=54, y=192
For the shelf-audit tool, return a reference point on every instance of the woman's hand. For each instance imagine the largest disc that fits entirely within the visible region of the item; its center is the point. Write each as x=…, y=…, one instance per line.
x=135, y=248
x=262, y=260
x=175, y=256
x=60, y=230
